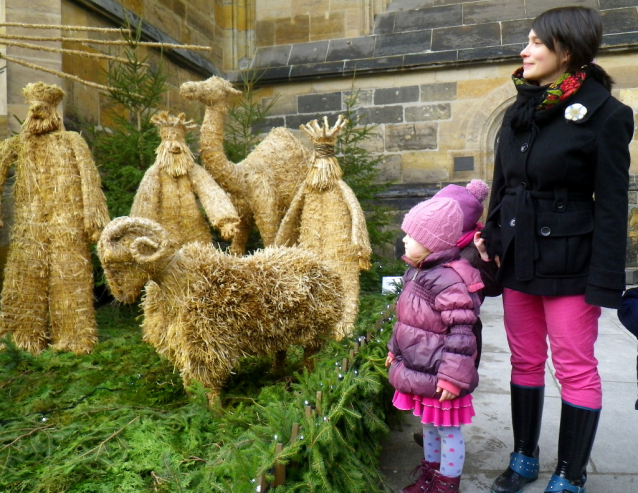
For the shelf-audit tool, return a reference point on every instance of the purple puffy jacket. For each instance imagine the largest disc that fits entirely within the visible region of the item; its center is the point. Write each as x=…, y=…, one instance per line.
x=432, y=339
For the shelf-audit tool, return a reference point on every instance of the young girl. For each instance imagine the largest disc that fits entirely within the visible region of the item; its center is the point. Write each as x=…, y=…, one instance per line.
x=558, y=226
x=432, y=349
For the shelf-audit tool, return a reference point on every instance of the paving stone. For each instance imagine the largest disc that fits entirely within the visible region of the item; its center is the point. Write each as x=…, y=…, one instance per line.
x=394, y=95
x=352, y=48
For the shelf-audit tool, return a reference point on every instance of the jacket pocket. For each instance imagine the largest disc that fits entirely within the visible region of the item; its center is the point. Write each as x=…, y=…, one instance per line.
x=563, y=243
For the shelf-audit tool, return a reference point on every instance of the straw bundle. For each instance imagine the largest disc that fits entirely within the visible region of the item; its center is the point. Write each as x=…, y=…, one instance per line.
x=47, y=295
x=325, y=217
x=171, y=188
x=204, y=309
x=262, y=185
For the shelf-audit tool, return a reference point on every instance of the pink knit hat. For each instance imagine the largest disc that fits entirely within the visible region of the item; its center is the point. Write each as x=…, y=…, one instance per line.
x=470, y=198
x=435, y=223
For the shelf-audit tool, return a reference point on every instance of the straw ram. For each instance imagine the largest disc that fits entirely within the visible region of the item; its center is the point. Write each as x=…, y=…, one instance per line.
x=204, y=309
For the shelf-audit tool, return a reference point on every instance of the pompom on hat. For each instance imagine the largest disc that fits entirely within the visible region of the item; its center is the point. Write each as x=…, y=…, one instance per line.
x=436, y=223
x=470, y=198
x=40, y=92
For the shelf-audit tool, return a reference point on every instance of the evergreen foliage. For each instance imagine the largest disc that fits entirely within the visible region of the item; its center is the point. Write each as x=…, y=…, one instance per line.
x=126, y=149
x=119, y=418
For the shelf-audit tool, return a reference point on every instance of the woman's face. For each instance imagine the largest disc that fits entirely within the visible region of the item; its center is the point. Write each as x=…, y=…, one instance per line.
x=540, y=63
x=414, y=249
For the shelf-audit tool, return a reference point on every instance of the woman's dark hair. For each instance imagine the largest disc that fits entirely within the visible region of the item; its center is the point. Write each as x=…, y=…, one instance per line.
x=577, y=31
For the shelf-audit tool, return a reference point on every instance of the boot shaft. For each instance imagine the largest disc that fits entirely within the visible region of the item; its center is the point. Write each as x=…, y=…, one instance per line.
x=527, y=414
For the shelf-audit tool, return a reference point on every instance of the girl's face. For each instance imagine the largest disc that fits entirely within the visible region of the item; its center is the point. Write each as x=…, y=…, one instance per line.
x=540, y=63
x=413, y=249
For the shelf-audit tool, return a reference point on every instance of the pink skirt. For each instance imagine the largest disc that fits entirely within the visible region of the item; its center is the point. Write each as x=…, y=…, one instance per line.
x=455, y=412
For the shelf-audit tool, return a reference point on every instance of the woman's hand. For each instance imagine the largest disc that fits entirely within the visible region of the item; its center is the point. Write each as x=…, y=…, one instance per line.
x=479, y=243
x=446, y=395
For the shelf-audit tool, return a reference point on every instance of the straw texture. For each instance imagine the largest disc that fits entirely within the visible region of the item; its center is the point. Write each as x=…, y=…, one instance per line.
x=262, y=185
x=171, y=188
x=325, y=217
x=47, y=294
x=204, y=309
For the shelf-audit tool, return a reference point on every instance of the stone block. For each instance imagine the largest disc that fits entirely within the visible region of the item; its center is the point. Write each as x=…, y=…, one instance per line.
x=389, y=168
x=330, y=25
x=268, y=124
x=362, y=97
x=516, y=31
x=491, y=10
x=620, y=20
x=293, y=30
x=428, y=18
x=308, y=53
x=294, y=121
x=384, y=114
x=478, y=35
x=411, y=137
x=403, y=43
x=349, y=49
x=355, y=23
x=428, y=113
x=474, y=89
x=434, y=58
x=396, y=95
x=265, y=33
x=424, y=167
x=375, y=142
x=272, y=56
x=316, y=103
x=273, y=9
x=539, y=6
x=274, y=74
x=282, y=105
x=376, y=64
x=316, y=70
x=4, y=127
x=445, y=91
x=384, y=23
x=224, y=16
x=624, y=39
x=614, y=4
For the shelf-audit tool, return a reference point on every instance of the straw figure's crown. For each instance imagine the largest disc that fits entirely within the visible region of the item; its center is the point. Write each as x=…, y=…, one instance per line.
x=435, y=223
x=470, y=198
x=325, y=170
x=40, y=92
x=164, y=119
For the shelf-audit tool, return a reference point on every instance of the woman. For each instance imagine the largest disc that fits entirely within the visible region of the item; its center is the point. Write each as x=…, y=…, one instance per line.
x=557, y=224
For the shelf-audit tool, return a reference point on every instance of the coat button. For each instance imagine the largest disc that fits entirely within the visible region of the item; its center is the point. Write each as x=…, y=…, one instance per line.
x=560, y=205
x=524, y=148
x=512, y=222
x=545, y=231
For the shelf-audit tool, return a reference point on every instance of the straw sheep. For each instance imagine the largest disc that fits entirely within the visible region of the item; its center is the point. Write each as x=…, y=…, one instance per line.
x=204, y=309
x=262, y=185
x=325, y=217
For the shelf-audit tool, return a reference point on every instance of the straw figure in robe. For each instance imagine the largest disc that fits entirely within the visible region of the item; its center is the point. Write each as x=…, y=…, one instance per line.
x=325, y=217
x=47, y=295
x=205, y=310
x=170, y=189
x=262, y=186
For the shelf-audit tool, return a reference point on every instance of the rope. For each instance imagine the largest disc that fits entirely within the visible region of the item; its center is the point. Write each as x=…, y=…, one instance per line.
x=64, y=50
x=65, y=28
x=324, y=150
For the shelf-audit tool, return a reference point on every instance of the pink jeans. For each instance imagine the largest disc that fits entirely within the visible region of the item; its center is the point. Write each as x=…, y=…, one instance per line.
x=571, y=325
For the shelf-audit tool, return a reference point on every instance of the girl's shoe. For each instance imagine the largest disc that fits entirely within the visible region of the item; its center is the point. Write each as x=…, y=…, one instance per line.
x=426, y=471
x=444, y=484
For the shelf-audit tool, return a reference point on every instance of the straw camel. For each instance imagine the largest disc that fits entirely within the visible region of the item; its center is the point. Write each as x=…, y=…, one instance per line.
x=171, y=188
x=47, y=295
x=262, y=185
x=204, y=309
x=325, y=217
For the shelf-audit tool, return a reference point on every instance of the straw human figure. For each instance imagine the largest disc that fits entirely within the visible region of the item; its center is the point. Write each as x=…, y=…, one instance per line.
x=171, y=188
x=325, y=217
x=47, y=295
x=261, y=186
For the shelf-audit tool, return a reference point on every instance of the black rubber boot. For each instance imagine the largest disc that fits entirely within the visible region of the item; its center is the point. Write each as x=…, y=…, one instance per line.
x=527, y=414
x=576, y=438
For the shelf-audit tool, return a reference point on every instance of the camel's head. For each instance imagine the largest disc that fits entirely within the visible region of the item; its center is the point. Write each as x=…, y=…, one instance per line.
x=210, y=92
x=133, y=250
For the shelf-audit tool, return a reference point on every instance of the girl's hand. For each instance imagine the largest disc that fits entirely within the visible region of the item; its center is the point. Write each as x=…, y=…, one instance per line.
x=389, y=359
x=479, y=243
x=446, y=395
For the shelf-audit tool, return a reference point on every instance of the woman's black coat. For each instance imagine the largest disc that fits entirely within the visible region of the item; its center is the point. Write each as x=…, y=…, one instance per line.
x=558, y=212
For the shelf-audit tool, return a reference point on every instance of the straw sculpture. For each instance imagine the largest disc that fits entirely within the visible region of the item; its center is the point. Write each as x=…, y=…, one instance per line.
x=170, y=189
x=325, y=217
x=262, y=185
x=204, y=309
x=47, y=295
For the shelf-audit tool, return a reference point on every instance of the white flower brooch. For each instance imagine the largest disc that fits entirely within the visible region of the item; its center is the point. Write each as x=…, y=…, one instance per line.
x=575, y=112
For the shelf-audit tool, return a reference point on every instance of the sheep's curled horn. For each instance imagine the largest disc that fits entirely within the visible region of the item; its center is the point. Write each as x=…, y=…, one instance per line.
x=133, y=237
